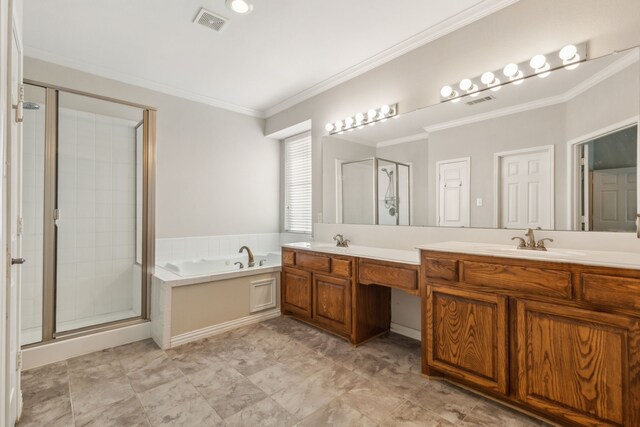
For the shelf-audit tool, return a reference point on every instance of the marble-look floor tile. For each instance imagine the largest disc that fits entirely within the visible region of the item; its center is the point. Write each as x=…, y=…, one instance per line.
x=55, y=411
x=251, y=362
x=304, y=362
x=178, y=403
x=43, y=383
x=276, y=378
x=103, y=357
x=193, y=357
x=127, y=412
x=445, y=400
x=304, y=398
x=87, y=376
x=105, y=393
x=404, y=383
x=374, y=401
x=138, y=354
x=336, y=413
x=338, y=379
x=226, y=390
x=488, y=414
x=266, y=413
x=160, y=370
x=411, y=415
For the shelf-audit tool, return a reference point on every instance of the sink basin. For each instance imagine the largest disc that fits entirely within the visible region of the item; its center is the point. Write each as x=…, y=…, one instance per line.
x=549, y=253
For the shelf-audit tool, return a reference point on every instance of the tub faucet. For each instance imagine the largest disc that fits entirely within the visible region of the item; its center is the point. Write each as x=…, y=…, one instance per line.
x=249, y=254
x=341, y=242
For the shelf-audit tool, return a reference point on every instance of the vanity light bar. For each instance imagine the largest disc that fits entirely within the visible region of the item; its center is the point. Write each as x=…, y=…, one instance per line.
x=360, y=120
x=569, y=58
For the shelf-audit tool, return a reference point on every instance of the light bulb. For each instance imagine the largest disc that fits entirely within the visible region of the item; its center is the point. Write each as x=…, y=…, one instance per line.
x=455, y=100
x=568, y=52
x=495, y=86
x=544, y=71
x=538, y=62
x=473, y=91
x=338, y=125
x=573, y=63
x=359, y=118
x=518, y=79
x=371, y=114
x=385, y=110
x=488, y=78
x=348, y=121
x=465, y=84
x=446, y=91
x=510, y=70
x=329, y=127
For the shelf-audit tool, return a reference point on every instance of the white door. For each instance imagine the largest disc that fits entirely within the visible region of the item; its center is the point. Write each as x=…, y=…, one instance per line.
x=614, y=199
x=453, y=193
x=12, y=239
x=525, y=189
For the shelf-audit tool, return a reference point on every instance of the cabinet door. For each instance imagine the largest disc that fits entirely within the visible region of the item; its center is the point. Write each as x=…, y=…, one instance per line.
x=332, y=302
x=296, y=292
x=580, y=365
x=467, y=336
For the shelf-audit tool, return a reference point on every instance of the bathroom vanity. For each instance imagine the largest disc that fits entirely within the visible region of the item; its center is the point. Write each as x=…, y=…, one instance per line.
x=558, y=338
x=346, y=291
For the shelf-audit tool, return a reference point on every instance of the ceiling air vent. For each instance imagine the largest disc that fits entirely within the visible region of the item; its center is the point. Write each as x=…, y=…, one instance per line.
x=210, y=20
x=479, y=100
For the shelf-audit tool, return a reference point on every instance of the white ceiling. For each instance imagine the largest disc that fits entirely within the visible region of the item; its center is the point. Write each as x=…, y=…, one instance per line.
x=283, y=52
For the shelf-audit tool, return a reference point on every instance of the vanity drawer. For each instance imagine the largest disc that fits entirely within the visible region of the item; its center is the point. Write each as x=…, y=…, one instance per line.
x=530, y=280
x=611, y=291
x=313, y=262
x=389, y=274
x=288, y=257
x=341, y=267
x=445, y=269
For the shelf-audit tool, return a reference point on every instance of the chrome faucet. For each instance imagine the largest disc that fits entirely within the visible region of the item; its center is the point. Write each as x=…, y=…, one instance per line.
x=249, y=254
x=341, y=242
x=530, y=243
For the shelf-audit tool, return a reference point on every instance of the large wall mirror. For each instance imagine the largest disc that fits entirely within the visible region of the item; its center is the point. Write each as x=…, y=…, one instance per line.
x=553, y=153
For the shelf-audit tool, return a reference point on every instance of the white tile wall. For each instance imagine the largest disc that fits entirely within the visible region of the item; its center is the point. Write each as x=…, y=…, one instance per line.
x=177, y=249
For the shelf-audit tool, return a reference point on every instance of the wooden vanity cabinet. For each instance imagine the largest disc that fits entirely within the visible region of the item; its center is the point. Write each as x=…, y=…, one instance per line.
x=560, y=340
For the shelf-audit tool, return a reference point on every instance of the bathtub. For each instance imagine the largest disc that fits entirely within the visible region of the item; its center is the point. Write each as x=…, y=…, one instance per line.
x=221, y=264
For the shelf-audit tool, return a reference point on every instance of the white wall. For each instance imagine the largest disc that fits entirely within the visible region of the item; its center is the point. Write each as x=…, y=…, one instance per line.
x=512, y=34
x=216, y=172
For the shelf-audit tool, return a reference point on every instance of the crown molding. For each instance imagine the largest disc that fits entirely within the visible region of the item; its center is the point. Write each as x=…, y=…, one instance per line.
x=441, y=29
x=403, y=140
x=108, y=73
x=619, y=65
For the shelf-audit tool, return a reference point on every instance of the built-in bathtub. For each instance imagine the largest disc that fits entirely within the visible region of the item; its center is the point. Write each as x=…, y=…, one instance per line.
x=195, y=298
x=207, y=267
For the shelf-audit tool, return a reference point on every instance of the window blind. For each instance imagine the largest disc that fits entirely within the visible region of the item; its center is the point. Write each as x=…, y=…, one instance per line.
x=297, y=184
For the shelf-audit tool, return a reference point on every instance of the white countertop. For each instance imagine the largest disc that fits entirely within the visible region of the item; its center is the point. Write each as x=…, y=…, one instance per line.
x=382, y=254
x=574, y=256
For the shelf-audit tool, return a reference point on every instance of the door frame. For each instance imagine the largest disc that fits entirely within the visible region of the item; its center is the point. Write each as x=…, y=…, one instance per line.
x=573, y=172
x=497, y=164
x=439, y=164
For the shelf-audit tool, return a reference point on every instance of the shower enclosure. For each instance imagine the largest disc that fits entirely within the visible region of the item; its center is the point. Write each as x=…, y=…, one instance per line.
x=87, y=197
x=375, y=191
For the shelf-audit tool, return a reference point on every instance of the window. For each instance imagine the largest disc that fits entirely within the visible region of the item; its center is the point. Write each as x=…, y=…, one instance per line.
x=297, y=184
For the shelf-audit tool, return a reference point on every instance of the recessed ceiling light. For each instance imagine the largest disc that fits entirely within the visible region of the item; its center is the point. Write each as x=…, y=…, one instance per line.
x=240, y=6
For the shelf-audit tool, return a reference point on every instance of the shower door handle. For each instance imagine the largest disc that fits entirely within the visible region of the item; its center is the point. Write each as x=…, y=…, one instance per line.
x=18, y=261
x=19, y=107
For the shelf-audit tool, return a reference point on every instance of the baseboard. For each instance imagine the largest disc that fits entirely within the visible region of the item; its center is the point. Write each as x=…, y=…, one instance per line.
x=406, y=331
x=72, y=347
x=223, y=327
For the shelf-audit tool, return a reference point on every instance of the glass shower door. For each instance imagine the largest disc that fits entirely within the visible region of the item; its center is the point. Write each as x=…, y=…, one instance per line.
x=98, y=233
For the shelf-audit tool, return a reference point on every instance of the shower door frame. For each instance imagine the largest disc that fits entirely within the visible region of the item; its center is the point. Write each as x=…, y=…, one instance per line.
x=49, y=301
x=376, y=216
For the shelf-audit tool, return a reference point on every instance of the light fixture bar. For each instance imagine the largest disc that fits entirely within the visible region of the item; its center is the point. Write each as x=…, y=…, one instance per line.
x=360, y=120
x=569, y=57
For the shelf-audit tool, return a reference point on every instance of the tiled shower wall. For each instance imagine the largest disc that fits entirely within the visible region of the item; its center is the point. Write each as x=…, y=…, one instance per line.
x=212, y=246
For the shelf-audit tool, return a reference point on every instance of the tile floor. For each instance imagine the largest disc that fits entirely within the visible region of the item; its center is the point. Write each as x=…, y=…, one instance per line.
x=277, y=373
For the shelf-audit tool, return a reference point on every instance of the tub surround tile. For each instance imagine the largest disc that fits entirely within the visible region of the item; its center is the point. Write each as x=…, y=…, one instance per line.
x=280, y=372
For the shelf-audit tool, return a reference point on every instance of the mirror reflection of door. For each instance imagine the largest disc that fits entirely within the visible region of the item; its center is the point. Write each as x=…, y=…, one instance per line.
x=608, y=180
x=525, y=188
x=453, y=192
